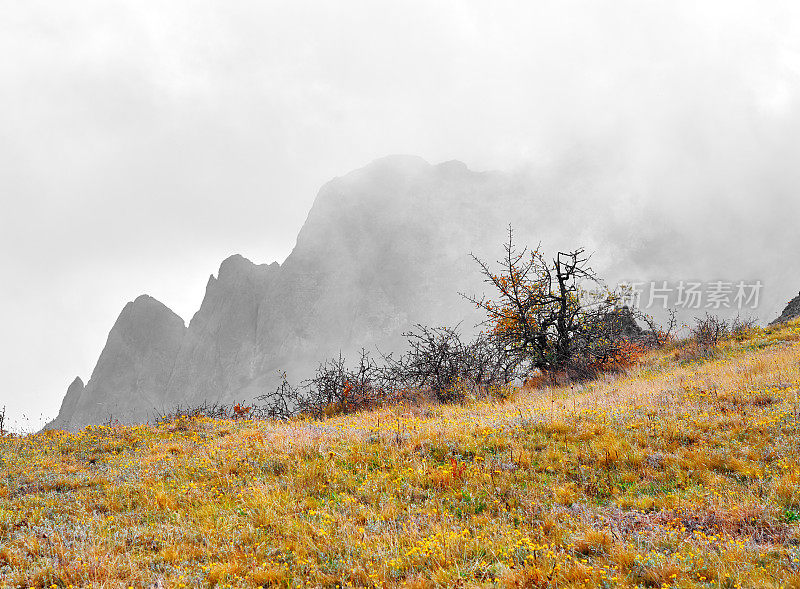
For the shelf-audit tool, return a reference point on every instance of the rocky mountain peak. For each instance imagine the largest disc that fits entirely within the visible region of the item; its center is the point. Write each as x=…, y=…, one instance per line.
x=383, y=248
x=792, y=311
x=236, y=267
x=129, y=379
x=146, y=320
x=73, y=397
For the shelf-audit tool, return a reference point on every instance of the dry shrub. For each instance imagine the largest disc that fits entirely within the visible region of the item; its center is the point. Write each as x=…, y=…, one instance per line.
x=221, y=571
x=709, y=331
x=566, y=495
x=628, y=354
x=593, y=542
x=742, y=327
x=788, y=490
x=418, y=581
x=270, y=575
x=438, y=365
x=528, y=577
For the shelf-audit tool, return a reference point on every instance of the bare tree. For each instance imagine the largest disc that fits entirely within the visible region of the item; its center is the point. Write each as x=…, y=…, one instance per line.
x=546, y=316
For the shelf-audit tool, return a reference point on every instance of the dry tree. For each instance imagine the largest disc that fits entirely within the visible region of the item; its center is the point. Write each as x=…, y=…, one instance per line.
x=546, y=316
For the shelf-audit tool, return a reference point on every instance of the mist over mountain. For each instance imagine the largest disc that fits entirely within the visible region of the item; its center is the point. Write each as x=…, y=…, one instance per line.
x=383, y=248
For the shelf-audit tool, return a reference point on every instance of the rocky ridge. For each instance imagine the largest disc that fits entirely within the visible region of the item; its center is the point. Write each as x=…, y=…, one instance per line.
x=383, y=248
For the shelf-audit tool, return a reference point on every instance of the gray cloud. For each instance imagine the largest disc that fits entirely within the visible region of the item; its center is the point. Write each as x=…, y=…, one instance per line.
x=143, y=142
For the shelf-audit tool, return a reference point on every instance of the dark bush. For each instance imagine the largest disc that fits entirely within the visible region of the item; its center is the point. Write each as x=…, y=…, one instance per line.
x=709, y=330
x=438, y=364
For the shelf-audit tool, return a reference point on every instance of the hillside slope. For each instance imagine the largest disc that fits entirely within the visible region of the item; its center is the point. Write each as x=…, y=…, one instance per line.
x=677, y=474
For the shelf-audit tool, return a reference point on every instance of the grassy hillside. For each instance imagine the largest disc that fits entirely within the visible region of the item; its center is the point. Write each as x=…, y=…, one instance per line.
x=680, y=473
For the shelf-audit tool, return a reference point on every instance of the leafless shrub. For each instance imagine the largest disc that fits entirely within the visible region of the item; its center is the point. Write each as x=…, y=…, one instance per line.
x=440, y=363
x=658, y=335
x=437, y=364
x=112, y=422
x=283, y=402
x=334, y=389
x=742, y=326
x=708, y=331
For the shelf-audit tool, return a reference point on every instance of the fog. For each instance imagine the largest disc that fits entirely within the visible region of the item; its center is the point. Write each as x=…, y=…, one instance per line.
x=143, y=142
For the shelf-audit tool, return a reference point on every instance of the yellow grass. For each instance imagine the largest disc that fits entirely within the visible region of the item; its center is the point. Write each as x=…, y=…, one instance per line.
x=683, y=475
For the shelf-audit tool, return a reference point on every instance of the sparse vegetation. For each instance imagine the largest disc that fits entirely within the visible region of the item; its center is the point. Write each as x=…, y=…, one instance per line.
x=235, y=411
x=438, y=365
x=669, y=474
x=334, y=389
x=708, y=332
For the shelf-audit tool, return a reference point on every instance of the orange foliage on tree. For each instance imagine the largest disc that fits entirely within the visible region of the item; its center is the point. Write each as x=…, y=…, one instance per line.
x=545, y=315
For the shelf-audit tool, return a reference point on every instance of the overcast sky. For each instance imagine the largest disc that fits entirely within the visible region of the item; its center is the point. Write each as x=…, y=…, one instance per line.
x=142, y=142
